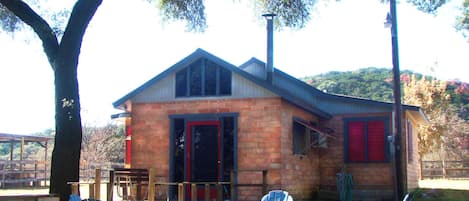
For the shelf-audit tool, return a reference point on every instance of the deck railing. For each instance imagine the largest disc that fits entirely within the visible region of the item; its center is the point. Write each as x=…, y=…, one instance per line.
x=23, y=173
x=143, y=184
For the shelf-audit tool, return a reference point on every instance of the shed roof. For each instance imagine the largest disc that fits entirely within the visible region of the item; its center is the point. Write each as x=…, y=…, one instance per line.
x=7, y=138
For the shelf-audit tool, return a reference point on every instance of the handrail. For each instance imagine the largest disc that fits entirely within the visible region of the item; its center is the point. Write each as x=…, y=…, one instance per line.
x=139, y=178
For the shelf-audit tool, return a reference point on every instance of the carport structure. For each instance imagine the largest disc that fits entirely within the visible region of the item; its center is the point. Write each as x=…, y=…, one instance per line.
x=25, y=172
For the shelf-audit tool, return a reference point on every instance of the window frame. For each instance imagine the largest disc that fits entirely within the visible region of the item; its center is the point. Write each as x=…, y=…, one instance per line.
x=365, y=136
x=186, y=74
x=299, y=149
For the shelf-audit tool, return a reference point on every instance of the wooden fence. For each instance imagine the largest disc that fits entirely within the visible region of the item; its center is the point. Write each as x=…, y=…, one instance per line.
x=23, y=173
x=445, y=169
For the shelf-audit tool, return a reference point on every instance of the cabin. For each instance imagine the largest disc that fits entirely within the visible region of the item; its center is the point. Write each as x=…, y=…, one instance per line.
x=206, y=120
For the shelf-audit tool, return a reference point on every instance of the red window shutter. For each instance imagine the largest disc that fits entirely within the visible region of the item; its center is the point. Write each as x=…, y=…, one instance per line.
x=376, y=141
x=356, y=141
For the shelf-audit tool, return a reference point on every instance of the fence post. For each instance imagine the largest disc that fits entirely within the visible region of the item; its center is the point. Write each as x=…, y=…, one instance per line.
x=4, y=169
x=91, y=190
x=151, y=184
x=207, y=192
x=181, y=192
x=193, y=192
x=35, y=182
x=110, y=186
x=443, y=168
x=264, y=182
x=232, y=186
x=219, y=192
x=97, y=186
x=421, y=169
x=75, y=188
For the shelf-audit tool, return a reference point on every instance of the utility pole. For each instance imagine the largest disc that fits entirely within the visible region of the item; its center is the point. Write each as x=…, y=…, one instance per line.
x=397, y=162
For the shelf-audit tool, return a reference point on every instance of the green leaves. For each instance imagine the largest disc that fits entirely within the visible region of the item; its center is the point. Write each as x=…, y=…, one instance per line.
x=191, y=11
x=371, y=83
x=428, y=6
x=9, y=22
x=463, y=20
x=290, y=13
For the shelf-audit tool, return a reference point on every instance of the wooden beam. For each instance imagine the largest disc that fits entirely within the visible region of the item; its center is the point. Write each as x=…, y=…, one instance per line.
x=12, y=148
x=151, y=184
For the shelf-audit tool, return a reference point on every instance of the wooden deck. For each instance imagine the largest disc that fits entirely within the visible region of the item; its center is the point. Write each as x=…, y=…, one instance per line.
x=45, y=197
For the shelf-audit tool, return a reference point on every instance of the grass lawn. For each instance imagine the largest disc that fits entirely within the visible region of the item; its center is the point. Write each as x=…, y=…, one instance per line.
x=440, y=195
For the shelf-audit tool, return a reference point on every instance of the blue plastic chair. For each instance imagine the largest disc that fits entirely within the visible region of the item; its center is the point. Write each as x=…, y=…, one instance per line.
x=74, y=197
x=277, y=195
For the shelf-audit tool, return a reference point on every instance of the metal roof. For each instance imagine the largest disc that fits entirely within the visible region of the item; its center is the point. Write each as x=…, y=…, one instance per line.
x=293, y=95
x=199, y=53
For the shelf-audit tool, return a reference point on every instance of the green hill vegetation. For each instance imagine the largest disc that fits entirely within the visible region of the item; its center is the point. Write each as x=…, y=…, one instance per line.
x=376, y=84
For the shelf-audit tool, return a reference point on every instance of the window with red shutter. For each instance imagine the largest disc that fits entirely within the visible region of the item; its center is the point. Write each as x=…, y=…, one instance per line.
x=375, y=141
x=365, y=139
x=356, y=138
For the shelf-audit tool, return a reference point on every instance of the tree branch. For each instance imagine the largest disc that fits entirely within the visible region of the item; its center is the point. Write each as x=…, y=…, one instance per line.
x=38, y=24
x=80, y=17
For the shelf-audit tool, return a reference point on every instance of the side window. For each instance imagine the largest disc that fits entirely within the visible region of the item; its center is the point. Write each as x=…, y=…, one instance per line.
x=365, y=140
x=299, y=139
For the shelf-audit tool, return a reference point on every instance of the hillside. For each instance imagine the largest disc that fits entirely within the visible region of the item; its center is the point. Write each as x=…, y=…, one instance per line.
x=376, y=84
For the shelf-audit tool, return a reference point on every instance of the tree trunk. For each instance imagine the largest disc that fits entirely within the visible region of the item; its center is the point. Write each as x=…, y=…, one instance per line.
x=66, y=154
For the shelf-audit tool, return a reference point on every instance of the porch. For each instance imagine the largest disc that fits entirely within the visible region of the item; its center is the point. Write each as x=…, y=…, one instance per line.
x=144, y=184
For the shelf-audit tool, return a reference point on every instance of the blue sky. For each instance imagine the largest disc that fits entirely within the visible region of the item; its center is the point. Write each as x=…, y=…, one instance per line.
x=126, y=44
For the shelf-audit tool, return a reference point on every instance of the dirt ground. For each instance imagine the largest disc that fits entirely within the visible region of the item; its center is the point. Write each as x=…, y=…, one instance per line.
x=84, y=190
x=444, y=184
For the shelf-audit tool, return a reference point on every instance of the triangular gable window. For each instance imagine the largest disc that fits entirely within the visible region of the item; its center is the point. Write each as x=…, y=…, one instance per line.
x=203, y=78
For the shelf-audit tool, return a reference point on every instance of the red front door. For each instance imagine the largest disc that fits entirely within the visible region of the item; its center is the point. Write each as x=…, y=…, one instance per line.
x=203, y=155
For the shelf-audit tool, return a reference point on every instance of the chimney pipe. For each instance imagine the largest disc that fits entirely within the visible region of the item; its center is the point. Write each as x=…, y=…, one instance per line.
x=269, y=66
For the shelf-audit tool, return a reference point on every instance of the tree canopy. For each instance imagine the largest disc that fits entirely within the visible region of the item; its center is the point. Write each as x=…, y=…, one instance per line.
x=445, y=103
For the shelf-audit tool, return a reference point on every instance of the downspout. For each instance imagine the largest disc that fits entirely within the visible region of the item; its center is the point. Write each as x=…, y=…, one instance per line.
x=269, y=66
